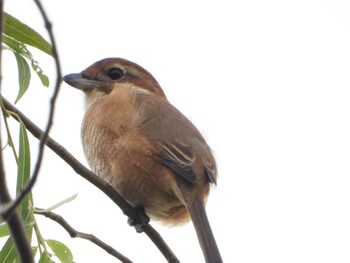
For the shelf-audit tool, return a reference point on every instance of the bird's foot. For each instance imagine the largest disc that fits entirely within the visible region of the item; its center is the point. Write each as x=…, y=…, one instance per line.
x=140, y=221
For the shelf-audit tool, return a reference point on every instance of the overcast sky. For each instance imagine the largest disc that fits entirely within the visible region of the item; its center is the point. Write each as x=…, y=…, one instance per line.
x=267, y=82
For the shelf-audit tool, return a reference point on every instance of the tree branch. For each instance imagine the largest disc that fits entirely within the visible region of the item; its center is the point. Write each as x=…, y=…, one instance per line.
x=80, y=169
x=13, y=219
x=74, y=233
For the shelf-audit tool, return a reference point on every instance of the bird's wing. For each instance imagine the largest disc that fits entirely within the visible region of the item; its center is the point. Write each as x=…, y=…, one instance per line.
x=179, y=144
x=179, y=158
x=210, y=169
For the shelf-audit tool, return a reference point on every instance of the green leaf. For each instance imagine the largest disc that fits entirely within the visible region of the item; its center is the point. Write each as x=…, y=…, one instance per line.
x=26, y=209
x=45, y=258
x=35, y=250
x=8, y=253
x=23, y=75
x=16, y=46
x=4, y=230
x=61, y=251
x=21, y=49
x=23, y=159
x=65, y=201
x=25, y=34
x=37, y=69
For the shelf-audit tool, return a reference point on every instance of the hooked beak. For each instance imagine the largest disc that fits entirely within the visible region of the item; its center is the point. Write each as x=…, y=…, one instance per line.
x=77, y=80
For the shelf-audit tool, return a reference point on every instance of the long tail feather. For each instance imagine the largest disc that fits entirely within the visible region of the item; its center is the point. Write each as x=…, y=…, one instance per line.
x=204, y=232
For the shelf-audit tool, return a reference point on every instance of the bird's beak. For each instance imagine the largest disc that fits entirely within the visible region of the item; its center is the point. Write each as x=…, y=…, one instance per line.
x=77, y=80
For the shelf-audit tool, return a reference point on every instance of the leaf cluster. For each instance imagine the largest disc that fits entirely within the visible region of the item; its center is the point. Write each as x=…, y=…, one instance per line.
x=16, y=37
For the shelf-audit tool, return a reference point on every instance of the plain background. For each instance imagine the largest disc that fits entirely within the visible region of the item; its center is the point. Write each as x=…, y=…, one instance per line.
x=267, y=82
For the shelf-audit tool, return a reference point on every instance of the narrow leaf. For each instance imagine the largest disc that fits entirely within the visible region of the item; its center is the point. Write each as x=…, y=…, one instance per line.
x=45, y=258
x=61, y=251
x=23, y=33
x=16, y=46
x=26, y=207
x=23, y=159
x=21, y=49
x=35, y=250
x=8, y=252
x=65, y=201
x=37, y=69
x=4, y=230
x=23, y=75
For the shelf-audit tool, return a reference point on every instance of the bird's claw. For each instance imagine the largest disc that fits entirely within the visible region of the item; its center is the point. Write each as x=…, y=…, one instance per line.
x=140, y=221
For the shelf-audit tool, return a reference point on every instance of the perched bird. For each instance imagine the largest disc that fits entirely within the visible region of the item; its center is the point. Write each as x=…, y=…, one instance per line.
x=144, y=147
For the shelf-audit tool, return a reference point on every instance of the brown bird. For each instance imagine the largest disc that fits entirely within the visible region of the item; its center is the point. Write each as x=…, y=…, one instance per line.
x=144, y=147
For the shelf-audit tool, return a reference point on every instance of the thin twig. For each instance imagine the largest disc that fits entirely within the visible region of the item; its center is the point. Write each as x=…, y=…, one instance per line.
x=18, y=234
x=74, y=233
x=9, y=137
x=161, y=245
x=80, y=169
x=45, y=135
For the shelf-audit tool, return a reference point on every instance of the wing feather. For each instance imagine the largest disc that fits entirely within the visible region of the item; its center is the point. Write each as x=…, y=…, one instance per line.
x=178, y=158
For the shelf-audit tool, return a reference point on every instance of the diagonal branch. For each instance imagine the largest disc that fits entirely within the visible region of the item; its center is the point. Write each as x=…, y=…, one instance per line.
x=74, y=233
x=80, y=169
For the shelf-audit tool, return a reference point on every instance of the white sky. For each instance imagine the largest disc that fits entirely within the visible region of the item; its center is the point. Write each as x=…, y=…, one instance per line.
x=267, y=82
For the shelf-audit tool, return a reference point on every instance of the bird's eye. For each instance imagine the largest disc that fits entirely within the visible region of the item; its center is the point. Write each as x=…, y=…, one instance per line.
x=115, y=73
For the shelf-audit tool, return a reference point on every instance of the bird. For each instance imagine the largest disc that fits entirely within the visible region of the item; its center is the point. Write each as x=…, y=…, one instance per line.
x=143, y=146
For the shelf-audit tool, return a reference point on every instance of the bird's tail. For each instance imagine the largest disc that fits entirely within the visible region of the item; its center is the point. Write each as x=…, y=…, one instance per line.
x=204, y=233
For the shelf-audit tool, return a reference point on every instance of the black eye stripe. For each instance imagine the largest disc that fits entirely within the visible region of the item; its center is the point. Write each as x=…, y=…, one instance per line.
x=115, y=73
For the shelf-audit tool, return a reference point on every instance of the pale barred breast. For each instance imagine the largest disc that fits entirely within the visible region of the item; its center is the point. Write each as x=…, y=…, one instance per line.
x=97, y=148
x=105, y=121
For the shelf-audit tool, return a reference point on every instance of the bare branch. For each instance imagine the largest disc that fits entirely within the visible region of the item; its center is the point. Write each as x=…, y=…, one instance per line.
x=161, y=245
x=74, y=233
x=80, y=169
x=13, y=219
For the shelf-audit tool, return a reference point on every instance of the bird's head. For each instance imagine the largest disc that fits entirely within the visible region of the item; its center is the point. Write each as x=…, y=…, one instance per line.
x=102, y=77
